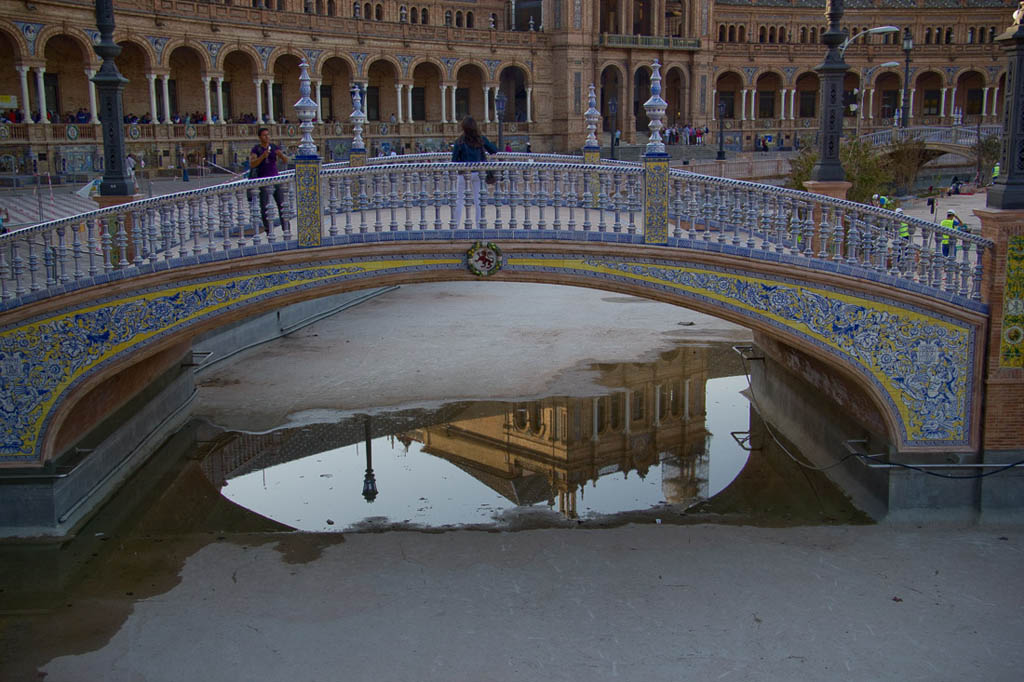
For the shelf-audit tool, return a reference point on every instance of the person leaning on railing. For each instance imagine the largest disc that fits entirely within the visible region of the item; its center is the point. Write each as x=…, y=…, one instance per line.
x=263, y=160
x=471, y=147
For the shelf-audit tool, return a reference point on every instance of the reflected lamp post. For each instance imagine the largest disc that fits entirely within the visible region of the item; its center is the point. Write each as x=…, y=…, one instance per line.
x=908, y=45
x=721, y=131
x=613, y=107
x=369, y=481
x=499, y=107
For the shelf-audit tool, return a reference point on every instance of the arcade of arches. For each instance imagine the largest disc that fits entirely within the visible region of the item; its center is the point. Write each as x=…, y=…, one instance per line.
x=203, y=77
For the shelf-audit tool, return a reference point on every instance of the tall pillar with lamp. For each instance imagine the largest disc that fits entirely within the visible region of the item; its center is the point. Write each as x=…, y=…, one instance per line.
x=908, y=45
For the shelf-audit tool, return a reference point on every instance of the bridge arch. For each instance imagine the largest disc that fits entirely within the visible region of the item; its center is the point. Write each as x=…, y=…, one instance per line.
x=878, y=340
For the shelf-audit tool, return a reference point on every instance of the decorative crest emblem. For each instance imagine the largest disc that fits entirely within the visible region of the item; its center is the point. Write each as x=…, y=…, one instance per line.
x=483, y=259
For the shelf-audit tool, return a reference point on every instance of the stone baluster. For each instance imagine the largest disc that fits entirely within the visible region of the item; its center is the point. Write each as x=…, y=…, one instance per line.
x=438, y=197
x=378, y=203
x=122, y=242
x=48, y=266
x=347, y=203
x=737, y=214
x=182, y=230
x=557, y=177
x=424, y=198
x=408, y=199
x=93, y=244
x=393, y=180
x=364, y=204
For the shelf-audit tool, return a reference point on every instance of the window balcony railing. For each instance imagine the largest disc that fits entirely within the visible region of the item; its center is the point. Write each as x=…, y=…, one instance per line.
x=657, y=42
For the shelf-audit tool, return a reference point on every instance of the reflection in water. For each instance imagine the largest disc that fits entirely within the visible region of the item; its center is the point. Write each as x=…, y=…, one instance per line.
x=651, y=423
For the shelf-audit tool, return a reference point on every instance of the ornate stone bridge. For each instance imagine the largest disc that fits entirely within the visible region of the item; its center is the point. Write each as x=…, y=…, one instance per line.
x=88, y=297
x=952, y=139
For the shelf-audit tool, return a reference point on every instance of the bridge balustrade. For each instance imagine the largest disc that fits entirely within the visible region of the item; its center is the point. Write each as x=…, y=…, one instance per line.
x=547, y=197
x=949, y=135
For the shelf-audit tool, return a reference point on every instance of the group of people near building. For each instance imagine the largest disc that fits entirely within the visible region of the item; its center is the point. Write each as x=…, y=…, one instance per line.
x=687, y=134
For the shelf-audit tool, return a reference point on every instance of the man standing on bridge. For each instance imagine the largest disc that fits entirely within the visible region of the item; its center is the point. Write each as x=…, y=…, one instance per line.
x=263, y=158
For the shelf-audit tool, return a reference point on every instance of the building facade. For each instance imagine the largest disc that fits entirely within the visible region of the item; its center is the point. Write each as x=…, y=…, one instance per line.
x=202, y=76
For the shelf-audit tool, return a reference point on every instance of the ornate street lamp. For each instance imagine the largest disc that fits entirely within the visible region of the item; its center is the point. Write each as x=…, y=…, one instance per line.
x=499, y=106
x=721, y=131
x=110, y=84
x=908, y=45
x=833, y=71
x=613, y=107
x=1007, y=191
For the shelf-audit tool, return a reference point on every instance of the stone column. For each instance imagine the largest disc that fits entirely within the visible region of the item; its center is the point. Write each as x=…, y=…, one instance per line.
x=89, y=73
x=593, y=409
x=444, y=103
x=995, y=101
x=41, y=94
x=398, y=102
x=454, y=113
x=952, y=102
x=151, y=77
x=220, y=101
x=942, y=102
x=984, y=101
x=529, y=104
x=206, y=98
x=714, y=104
x=23, y=77
x=270, y=100
x=258, y=82
x=319, y=103
x=792, y=104
x=743, y=108
x=910, y=105
x=782, y=102
x=871, y=103
x=487, y=104
x=167, y=97
x=408, y=103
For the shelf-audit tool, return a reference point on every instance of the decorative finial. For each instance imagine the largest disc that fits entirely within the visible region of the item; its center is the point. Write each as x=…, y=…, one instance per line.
x=305, y=108
x=592, y=116
x=655, y=108
x=358, y=118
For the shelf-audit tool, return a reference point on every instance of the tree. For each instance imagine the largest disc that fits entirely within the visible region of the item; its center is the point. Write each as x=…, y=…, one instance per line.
x=867, y=170
x=905, y=158
x=986, y=153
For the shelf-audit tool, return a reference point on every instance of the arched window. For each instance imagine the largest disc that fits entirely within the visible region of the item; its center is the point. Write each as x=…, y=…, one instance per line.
x=403, y=14
x=732, y=34
x=814, y=35
x=458, y=19
x=949, y=35
x=772, y=35
x=332, y=8
x=367, y=11
x=379, y=14
x=414, y=15
x=970, y=35
x=743, y=34
x=355, y=10
x=721, y=33
x=424, y=16
x=762, y=35
x=469, y=20
x=782, y=34
x=803, y=34
x=991, y=34
x=494, y=21
x=927, y=36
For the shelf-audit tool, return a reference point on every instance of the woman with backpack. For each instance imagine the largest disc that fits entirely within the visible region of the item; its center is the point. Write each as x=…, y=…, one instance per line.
x=471, y=147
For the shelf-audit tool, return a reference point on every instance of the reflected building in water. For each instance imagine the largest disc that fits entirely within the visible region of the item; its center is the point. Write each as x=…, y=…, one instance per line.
x=548, y=449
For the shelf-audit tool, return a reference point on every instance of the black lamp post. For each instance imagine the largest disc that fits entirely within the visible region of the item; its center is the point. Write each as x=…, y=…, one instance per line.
x=833, y=71
x=613, y=107
x=1007, y=191
x=499, y=108
x=110, y=84
x=908, y=45
x=369, y=481
x=721, y=131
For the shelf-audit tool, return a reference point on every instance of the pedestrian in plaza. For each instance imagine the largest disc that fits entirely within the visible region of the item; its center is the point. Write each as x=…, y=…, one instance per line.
x=263, y=158
x=471, y=147
x=129, y=166
x=5, y=218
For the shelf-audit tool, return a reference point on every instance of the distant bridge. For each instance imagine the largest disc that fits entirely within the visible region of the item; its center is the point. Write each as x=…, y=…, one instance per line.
x=87, y=297
x=952, y=139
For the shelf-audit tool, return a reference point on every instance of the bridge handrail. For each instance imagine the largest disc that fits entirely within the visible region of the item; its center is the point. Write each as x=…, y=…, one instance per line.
x=530, y=192
x=845, y=204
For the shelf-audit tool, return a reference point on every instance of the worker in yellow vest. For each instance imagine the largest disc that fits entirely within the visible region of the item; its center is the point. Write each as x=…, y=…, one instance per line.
x=952, y=222
x=904, y=237
x=995, y=171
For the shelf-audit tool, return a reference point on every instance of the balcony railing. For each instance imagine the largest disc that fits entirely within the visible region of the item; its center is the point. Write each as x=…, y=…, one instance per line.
x=656, y=42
